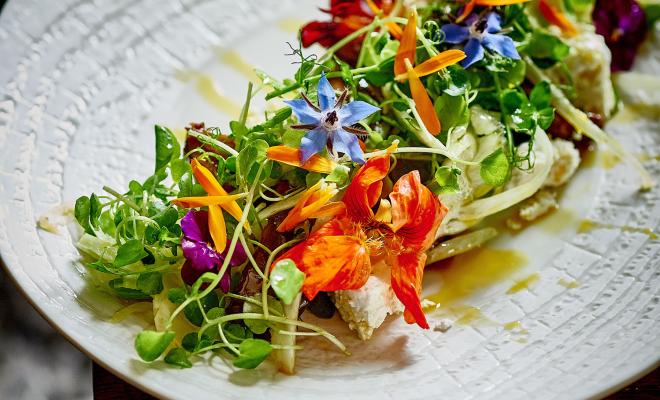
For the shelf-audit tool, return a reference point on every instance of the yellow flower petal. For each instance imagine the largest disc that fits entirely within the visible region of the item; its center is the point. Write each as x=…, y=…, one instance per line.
x=217, y=228
x=436, y=63
x=291, y=156
x=312, y=204
x=408, y=45
x=205, y=201
x=423, y=102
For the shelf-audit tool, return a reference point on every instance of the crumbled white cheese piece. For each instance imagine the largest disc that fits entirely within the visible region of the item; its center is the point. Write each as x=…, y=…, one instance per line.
x=366, y=308
x=565, y=162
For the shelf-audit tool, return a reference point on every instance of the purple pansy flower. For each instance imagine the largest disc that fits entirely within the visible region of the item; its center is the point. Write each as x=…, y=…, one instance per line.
x=330, y=121
x=623, y=24
x=480, y=33
x=200, y=256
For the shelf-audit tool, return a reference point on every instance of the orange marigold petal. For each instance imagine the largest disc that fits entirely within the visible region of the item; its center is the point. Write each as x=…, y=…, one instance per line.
x=438, y=62
x=467, y=10
x=217, y=228
x=406, y=279
x=331, y=262
x=204, y=201
x=558, y=18
x=423, y=103
x=408, y=45
x=416, y=212
x=365, y=188
x=291, y=156
x=310, y=204
x=495, y=3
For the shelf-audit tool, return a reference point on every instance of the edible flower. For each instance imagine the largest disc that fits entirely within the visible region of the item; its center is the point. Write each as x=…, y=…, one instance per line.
x=480, y=33
x=314, y=203
x=469, y=6
x=330, y=121
x=217, y=200
x=623, y=24
x=557, y=17
x=292, y=156
x=200, y=256
x=338, y=255
x=347, y=17
x=404, y=69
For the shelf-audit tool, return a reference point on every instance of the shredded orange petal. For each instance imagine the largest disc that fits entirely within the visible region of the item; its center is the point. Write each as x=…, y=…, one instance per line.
x=408, y=45
x=494, y=3
x=558, y=18
x=291, y=156
x=217, y=228
x=423, y=102
x=310, y=204
x=467, y=10
x=213, y=188
x=204, y=201
x=436, y=63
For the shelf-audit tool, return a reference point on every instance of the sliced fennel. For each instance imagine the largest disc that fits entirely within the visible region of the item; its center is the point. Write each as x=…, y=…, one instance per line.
x=286, y=357
x=460, y=244
x=583, y=124
x=482, y=208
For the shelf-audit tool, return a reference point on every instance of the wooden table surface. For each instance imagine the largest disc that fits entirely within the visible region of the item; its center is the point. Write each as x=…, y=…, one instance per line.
x=109, y=387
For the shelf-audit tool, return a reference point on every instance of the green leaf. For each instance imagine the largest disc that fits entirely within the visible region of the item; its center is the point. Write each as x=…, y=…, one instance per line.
x=191, y=342
x=167, y=147
x=95, y=208
x=128, y=253
x=166, y=217
x=312, y=178
x=193, y=312
x=546, y=49
x=236, y=333
x=383, y=74
x=286, y=280
x=452, y=111
x=545, y=117
x=178, y=357
x=541, y=96
x=151, y=344
x=81, y=211
x=252, y=353
x=292, y=137
x=495, y=168
x=447, y=178
x=178, y=168
x=250, y=158
x=125, y=288
x=339, y=175
x=150, y=282
x=176, y=295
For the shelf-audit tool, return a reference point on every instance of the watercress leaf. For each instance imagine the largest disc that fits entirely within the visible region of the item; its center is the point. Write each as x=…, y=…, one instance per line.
x=495, y=168
x=251, y=156
x=166, y=217
x=339, y=175
x=150, y=282
x=151, y=344
x=120, y=287
x=257, y=326
x=215, y=312
x=128, y=253
x=106, y=222
x=286, y=280
x=81, y=212
x=176, y=295
x=236, y=333
x=541, y=96
x=179, y=167
x=546, y=49
x=252, y=352
x=193, y=312
x=95, y=208
x=167, y=147
x=381, y=75
x=545, y=117
x=178, y=357
x=452, y=111
x=447, y=179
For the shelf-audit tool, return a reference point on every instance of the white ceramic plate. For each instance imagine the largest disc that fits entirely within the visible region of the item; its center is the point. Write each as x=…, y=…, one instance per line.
x=83, y=83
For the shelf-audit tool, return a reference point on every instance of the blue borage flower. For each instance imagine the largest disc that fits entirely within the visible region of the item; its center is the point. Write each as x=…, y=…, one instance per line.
x=330, y=121
x=480, y=33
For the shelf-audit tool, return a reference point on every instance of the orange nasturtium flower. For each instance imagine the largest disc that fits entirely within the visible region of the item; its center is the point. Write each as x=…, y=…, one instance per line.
x=469, y=6
x=404, y=69
x=291, y=156
x=558, y=18
x=314, y=203
x=338, y=255
x=216, y=200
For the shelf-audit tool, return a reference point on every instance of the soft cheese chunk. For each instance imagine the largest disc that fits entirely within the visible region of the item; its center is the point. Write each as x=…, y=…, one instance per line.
x=366, y=308
x=565, y=162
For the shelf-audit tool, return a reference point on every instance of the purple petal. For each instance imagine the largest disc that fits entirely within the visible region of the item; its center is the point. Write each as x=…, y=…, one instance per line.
x=225, y=282
x=623, y=25
x=455, y=33
x=313, y=142
x=195, y=225
x=473, y=51
x=200, y=255
x=239, y=256
x=326, y=93
x=493, y=23
x=190, y=275
x=501, y=44
x=347, y=143
x=304, y=113
x=355, y=112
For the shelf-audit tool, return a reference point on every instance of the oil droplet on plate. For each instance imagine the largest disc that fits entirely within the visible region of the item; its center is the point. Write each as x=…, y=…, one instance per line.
x=509, y=326
x=568, y=284
x=238, y=63
x=206, y=88
x=588, y=225
x=524, y=283
x=292, y=25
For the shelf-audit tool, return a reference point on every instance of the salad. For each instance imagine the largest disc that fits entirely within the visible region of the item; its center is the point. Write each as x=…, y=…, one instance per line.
x=386, y=152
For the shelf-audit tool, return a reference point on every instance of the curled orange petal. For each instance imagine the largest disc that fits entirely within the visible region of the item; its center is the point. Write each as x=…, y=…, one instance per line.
x=205, y=201
x=408, y=45
x=291, y=156
x=312, y=204
x=331, y=260
x=217, y=228
x=423, y=102
x=406, y=279
x=436, y=63
x=365, y=188
x=558, y=18
x=467, y=10
x=494, y=3
x=213, y=188
x=416, y=212
x=395, y=30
